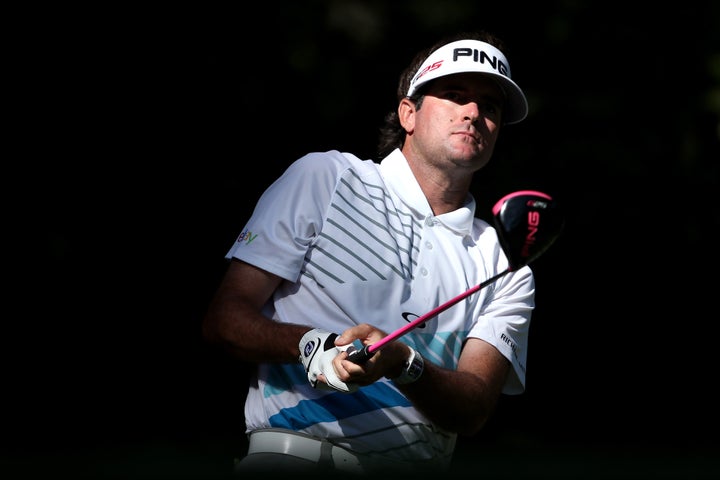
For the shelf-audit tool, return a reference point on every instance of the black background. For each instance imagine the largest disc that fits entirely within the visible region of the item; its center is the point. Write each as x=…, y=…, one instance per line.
x=146, y=135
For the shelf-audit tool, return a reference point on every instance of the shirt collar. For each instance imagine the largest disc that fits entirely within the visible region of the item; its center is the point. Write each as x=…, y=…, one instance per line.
x=400, y=179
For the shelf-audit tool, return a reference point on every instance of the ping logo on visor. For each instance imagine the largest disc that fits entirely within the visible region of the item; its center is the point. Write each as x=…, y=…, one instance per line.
x=468, y=54
x=473, y=56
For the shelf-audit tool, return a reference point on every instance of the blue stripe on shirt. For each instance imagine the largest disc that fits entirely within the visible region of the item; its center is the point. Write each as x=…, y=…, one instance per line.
x=337, y=406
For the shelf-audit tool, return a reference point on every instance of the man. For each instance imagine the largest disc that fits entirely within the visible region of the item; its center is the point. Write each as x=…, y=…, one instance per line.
x=339, y=245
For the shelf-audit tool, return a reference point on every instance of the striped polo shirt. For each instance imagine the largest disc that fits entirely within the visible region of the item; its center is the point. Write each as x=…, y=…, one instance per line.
x=356, y=242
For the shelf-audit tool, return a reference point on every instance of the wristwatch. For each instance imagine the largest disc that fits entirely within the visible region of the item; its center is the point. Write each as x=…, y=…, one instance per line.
x=414, y=366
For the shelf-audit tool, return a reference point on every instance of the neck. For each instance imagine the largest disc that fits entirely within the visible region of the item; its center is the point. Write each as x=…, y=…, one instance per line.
x=444, y=189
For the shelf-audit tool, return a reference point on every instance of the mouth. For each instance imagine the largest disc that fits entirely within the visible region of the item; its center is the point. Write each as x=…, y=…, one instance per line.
x=470, y=135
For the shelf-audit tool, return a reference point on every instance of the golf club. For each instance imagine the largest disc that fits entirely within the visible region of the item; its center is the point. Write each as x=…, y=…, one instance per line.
x=527, y=223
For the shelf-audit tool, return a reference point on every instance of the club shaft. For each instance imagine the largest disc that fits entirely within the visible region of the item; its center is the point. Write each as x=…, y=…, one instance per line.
x=361, y=356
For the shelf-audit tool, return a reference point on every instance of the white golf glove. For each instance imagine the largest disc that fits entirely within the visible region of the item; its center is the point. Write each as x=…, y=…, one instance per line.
x=317, y=350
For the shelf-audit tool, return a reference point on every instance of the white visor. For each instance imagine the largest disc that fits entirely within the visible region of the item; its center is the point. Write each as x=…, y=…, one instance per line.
x=466, y=56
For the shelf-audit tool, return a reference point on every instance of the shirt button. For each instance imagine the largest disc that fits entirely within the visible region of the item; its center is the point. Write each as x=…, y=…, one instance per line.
x=424, y=271
x=429, y=222
x=428, y=245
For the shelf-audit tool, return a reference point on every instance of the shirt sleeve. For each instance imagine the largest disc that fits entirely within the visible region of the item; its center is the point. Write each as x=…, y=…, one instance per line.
x=505, y=323
x=289, y=215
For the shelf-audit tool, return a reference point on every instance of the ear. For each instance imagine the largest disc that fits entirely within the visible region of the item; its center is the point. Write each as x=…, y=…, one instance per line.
x=406, y=114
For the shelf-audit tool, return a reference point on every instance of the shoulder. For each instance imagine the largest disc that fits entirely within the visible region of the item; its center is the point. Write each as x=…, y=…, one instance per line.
x=331, y=161
x=323, y=171
x=481, y=229
x=486, y=238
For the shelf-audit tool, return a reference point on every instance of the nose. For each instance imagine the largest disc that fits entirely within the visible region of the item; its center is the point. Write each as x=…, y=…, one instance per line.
x=472, y=112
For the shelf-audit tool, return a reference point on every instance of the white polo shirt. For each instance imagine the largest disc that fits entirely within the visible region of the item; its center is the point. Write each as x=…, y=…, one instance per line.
x=357, y=242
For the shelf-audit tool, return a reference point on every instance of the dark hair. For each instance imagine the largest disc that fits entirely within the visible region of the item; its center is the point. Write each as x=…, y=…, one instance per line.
x=392, y=134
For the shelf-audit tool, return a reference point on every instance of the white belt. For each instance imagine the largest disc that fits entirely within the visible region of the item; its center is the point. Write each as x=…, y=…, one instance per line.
x=299, y=445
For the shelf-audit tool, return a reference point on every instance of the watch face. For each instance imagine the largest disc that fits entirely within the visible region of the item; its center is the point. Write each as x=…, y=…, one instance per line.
x=414, y=367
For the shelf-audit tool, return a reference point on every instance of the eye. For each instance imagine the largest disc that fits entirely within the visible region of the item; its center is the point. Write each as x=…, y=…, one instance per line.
x=453, y=96
x=490, y=107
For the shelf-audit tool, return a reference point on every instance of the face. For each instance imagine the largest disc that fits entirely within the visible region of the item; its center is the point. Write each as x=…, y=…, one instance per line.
x=457, y=123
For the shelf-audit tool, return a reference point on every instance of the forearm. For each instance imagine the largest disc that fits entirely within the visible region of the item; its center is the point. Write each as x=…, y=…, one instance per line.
x=249, y=336
x=456, y=401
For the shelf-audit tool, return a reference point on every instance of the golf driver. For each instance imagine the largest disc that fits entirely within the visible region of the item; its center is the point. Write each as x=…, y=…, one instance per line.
x=527, y=223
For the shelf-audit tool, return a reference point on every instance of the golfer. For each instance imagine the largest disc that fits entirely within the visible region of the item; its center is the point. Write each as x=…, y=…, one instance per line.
x=340, y=251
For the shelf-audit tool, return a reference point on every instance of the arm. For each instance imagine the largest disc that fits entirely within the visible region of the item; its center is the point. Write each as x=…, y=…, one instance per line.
x=459, y=400
x=234, y=320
